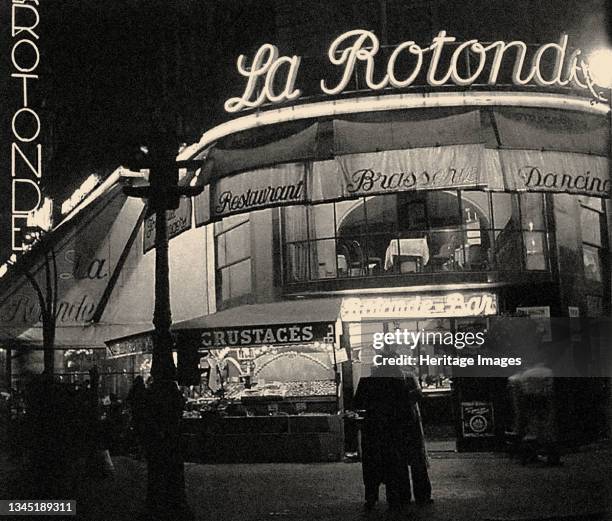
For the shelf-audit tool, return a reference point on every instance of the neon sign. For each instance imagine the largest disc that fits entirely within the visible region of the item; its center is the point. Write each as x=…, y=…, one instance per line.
x=26, y=149
x=271, y=78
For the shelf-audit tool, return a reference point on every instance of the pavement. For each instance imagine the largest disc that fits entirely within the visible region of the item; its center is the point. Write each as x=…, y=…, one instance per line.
x=466, y=486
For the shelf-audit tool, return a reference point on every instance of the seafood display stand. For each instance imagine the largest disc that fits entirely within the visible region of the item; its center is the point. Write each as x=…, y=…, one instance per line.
x=279, y=422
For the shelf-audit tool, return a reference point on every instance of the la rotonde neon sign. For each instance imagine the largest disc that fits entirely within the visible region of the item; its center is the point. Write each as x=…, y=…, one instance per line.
x=271, y=78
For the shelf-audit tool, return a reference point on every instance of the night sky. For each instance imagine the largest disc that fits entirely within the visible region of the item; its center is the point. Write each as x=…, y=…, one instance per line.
x=105, y=66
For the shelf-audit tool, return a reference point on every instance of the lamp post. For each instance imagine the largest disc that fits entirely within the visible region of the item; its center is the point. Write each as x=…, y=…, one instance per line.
x=165, y=469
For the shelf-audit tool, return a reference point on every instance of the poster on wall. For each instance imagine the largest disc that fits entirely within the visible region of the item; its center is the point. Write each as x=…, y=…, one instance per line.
x=541, y=316
x=573, y=312
x=477, y=419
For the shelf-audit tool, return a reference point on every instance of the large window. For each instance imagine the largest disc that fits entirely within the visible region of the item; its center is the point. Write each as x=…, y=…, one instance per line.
x=415, y=232
x=233, y=248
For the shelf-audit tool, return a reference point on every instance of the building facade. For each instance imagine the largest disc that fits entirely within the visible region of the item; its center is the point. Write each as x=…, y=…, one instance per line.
x=388, y=176
x=382, y=166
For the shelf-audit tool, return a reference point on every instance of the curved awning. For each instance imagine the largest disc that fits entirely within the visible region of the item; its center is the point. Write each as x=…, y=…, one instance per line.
x=500, y=148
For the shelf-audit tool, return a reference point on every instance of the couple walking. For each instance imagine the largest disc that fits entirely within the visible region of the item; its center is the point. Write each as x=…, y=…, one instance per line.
x=392, y=441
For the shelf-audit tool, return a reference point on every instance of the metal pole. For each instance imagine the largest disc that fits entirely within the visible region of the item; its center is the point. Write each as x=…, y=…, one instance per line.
x=162, y=367
x=165, y=467
x=164, y=401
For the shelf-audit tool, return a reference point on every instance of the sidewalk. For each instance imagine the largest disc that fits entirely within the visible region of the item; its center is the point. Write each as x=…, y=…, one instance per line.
x=467, y=486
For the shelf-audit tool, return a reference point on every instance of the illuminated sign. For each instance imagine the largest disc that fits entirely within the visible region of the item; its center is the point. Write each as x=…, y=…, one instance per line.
x=129, y=346
x=268, y=335
x=26, y=151
x=80, y=193
x=467, y=304
x=271, y=78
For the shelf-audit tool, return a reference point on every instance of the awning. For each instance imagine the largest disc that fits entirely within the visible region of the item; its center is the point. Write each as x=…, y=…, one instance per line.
x=520, y=128
x=299, y=146
x=285, y=312
x=352, y=137
x=499, y=149
x=88, y=254
x=85, y=336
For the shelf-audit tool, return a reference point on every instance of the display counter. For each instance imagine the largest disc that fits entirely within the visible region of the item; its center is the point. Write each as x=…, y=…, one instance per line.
x=263, y=439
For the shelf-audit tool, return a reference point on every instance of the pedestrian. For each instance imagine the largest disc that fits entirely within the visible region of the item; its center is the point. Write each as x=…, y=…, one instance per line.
x=114, y=424
x=537, y=423
x=384, y=398
x=137, y=402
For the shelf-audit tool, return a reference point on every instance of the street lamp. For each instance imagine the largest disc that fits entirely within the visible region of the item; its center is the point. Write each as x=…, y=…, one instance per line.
x=600, y=67
x=165, y=476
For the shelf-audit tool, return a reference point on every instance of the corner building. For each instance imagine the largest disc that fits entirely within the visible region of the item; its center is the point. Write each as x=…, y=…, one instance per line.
x=365, y=185
x=379, y=165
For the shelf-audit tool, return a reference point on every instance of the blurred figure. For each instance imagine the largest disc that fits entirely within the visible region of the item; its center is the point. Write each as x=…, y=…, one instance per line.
x=536, y=421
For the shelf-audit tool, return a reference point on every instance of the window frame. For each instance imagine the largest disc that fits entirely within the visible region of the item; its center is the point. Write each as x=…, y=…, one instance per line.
x=226, y=267
x=603, y=249
x=492, y=264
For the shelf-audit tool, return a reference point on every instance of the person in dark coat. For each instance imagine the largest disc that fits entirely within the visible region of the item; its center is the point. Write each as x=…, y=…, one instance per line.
x=384, y=398
x=137, y=402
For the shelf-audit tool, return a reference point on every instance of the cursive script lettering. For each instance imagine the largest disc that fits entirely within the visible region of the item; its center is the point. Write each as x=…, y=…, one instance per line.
x=25, y=309
x=357, y=50
x=368, y=180
x=94, y=269
x=534, y=177
x=229, y=202
x=264, y=69
x=452, y=304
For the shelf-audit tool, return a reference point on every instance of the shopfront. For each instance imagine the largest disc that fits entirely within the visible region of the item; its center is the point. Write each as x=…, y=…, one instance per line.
x=267, y=389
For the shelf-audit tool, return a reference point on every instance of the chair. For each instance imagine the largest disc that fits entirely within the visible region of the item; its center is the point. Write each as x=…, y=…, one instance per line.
x=441, y=259
x=410, y=264
x=374, y=262
x=475, y=257
x=357, y=266
x=353, y=253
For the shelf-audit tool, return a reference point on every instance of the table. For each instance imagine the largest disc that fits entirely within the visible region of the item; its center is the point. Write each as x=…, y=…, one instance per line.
x=407, y=248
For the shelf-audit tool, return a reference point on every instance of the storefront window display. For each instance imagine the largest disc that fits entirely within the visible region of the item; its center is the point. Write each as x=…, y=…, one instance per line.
x=415, y=232
x=592, y=221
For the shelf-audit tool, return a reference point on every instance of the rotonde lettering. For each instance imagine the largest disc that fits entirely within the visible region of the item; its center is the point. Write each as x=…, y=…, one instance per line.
x=359, y=45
